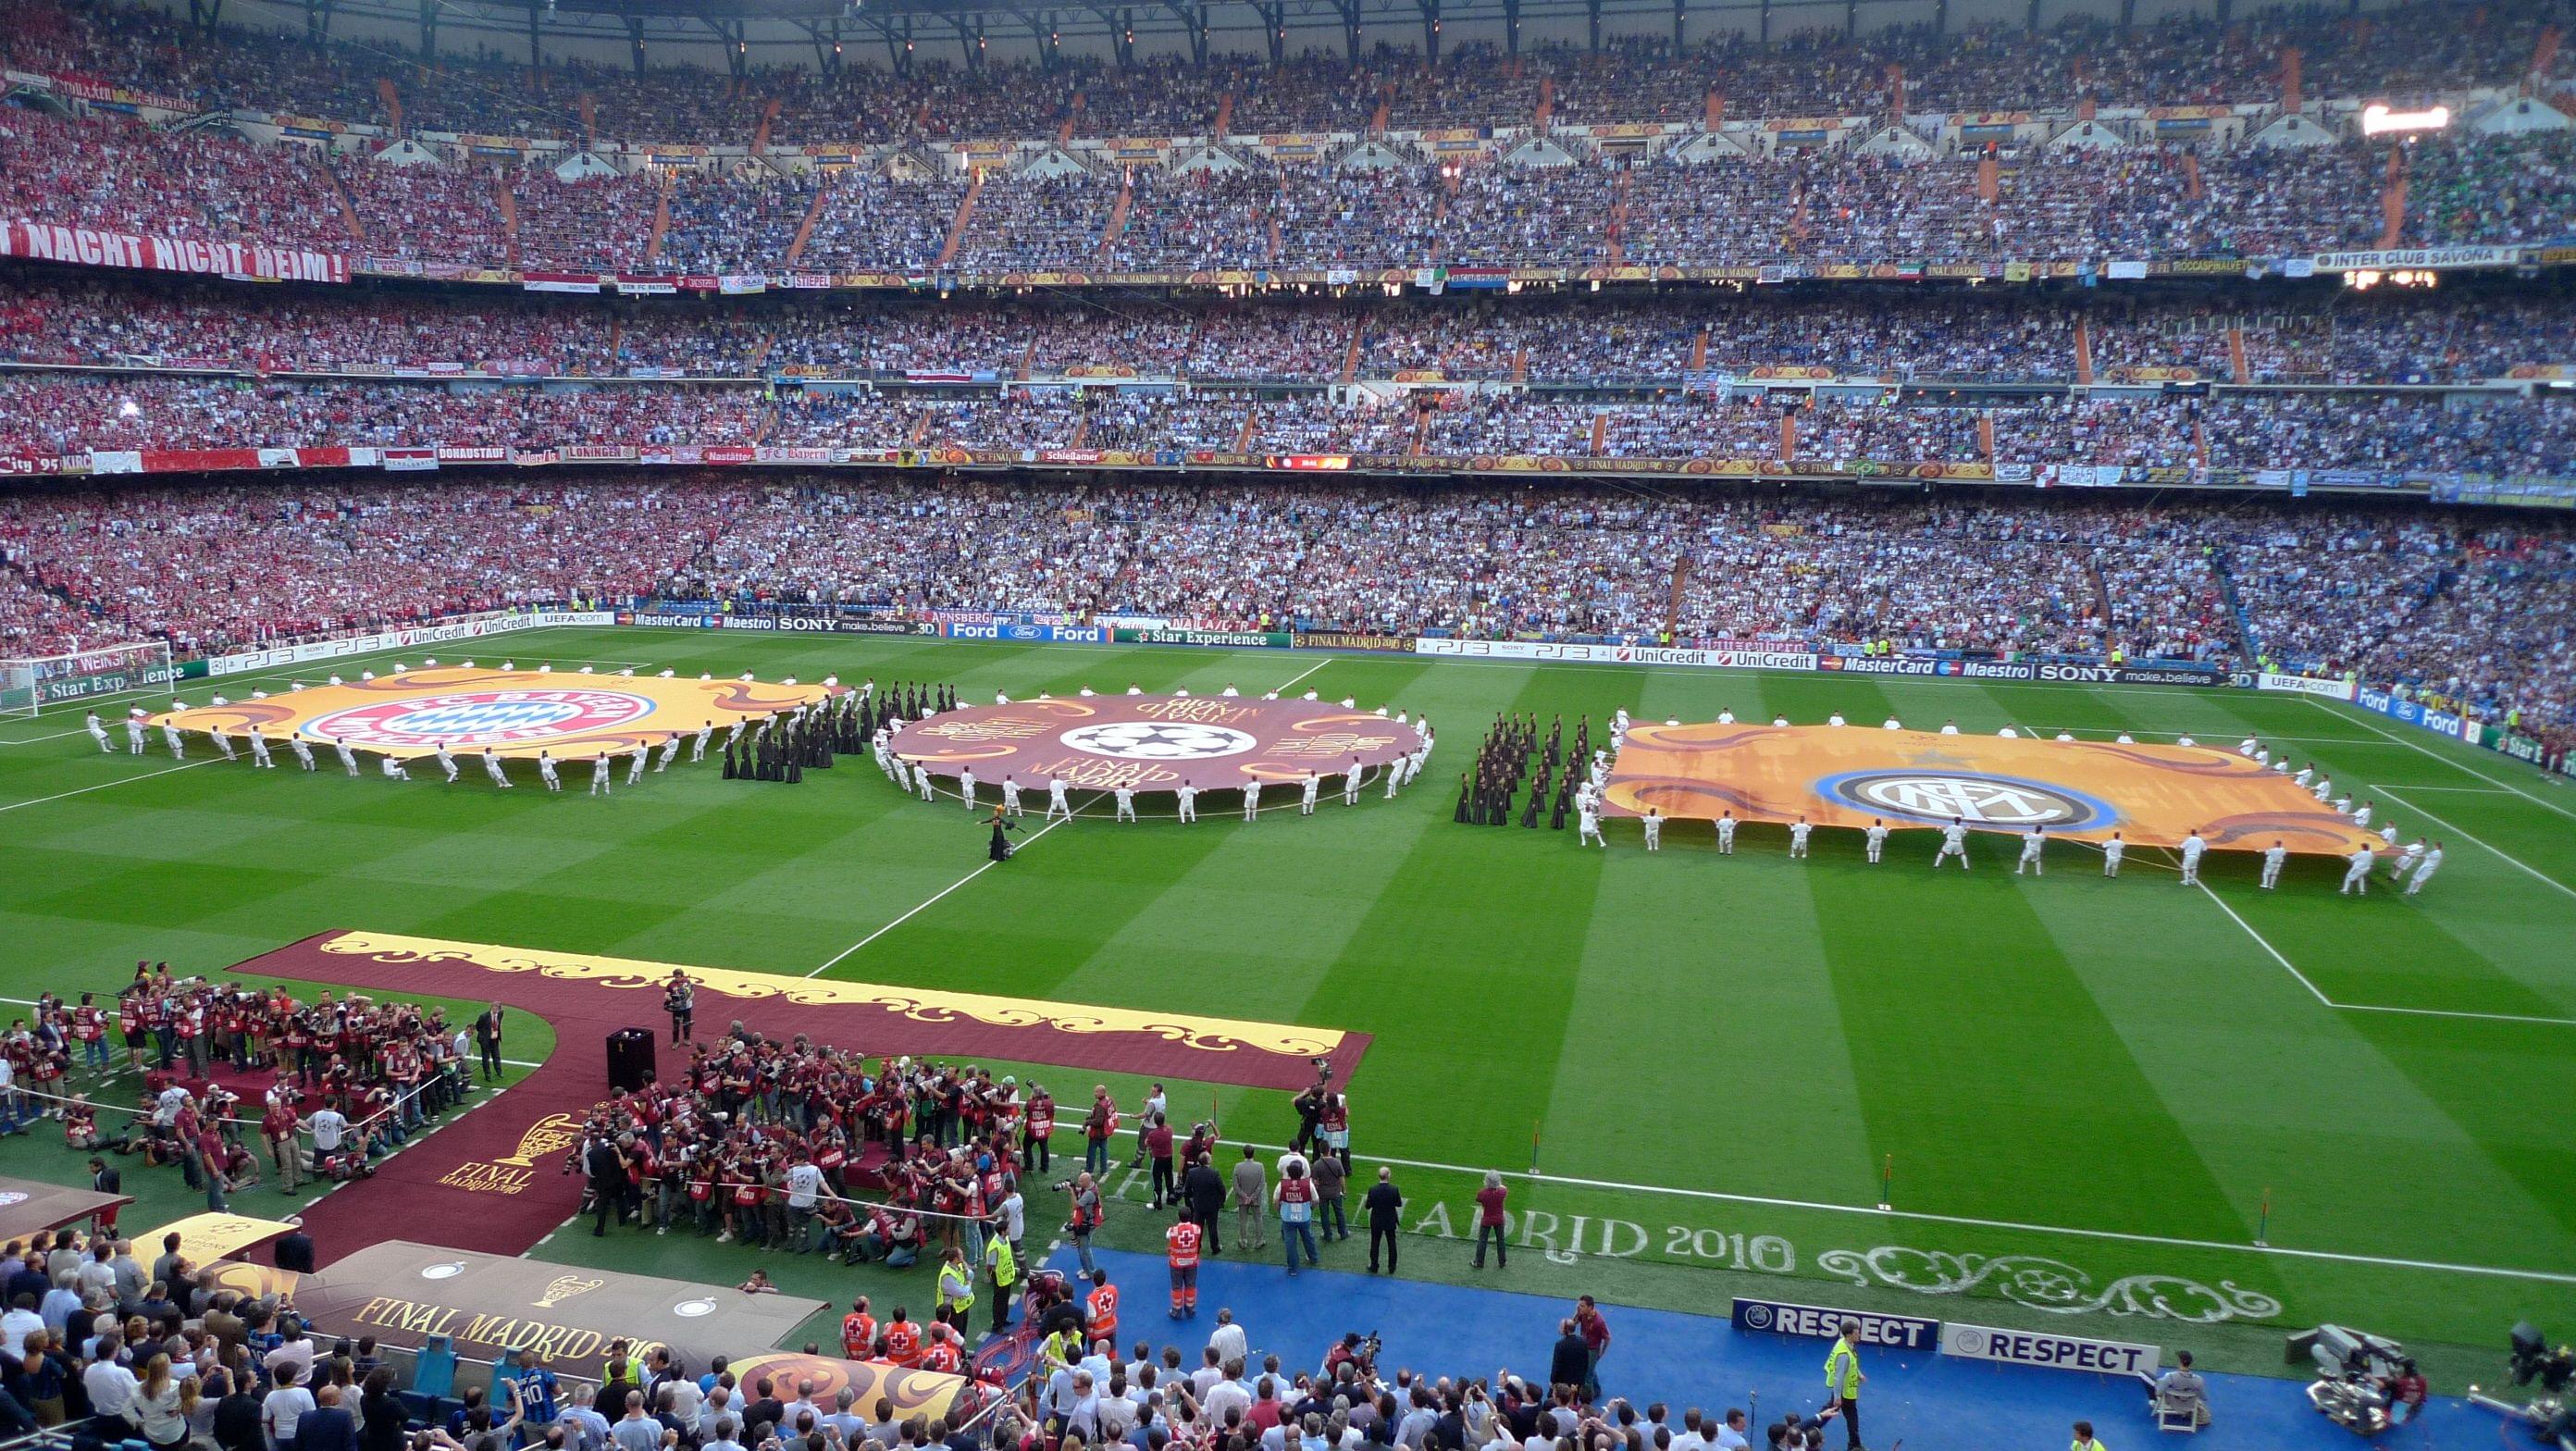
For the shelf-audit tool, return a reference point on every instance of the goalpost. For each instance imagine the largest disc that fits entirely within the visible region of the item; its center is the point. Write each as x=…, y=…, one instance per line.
x=30, y=684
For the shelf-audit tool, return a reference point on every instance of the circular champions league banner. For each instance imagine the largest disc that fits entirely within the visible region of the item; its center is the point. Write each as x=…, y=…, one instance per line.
x=1153, y=742
x=516, y=713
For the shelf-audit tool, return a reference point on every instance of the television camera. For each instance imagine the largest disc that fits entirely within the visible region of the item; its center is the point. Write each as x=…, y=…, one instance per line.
x=2357, y=1375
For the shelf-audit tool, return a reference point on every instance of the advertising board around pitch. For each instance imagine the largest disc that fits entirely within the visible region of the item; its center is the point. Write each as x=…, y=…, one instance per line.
x=1825, y=1322
x=2049, y=1350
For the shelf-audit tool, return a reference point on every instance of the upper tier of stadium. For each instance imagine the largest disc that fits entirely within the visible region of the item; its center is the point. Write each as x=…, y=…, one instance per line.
x=2036, y=214
x=2401, y=54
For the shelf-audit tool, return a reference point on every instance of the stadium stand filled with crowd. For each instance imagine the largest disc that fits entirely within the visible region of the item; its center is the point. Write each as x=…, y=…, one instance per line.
x=847, y=314
x=2465, y=607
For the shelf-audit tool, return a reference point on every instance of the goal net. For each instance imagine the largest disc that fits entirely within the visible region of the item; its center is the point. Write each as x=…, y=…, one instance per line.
x=87, y=679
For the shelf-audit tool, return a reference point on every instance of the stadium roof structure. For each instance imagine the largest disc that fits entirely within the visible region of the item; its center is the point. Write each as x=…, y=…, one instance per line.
x=961, y=31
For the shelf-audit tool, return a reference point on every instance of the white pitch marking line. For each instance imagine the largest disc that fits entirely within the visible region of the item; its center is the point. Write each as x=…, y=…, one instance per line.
x=1309, y=670
x=2447, y=761
x=2459, y=1013
x=1972, y=1222
x=2265, y=944
x=2465, y=836
x=2374, y=1007
x=120, y=781
x=934, y=898
x=2471, y=790
x=2267, y=738
x=58, y=735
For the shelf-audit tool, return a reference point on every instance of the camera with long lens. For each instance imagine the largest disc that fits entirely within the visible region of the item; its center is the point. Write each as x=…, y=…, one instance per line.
x=2549, y=1414
x=2535, y=1360
x=2353, y=1370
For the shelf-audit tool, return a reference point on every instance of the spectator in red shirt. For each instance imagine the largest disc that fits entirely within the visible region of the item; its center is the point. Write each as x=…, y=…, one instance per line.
x=1596, y=1338
x=1158, y=1147
x=1489, y=1219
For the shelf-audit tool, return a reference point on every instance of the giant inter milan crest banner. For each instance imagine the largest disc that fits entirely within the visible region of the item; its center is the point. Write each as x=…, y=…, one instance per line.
x=2153, y=795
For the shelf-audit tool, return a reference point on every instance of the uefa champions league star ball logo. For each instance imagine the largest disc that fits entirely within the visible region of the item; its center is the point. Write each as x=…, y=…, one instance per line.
x=481, y=718
x=1973, y=797
x=1148, y=740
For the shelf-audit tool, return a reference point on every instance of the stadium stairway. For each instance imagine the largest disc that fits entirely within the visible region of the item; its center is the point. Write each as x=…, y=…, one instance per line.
x=1929, y=1401
x=2246, y=645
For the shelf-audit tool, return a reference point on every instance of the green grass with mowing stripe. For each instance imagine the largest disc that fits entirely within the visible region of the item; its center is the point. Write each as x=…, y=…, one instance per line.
x=2088, y=1088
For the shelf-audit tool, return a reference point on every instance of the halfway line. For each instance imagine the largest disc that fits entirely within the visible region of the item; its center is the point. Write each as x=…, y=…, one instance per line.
x=2265, y=945
x=935, y=897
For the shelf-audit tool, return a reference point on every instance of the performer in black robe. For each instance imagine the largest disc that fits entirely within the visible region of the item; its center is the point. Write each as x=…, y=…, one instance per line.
x=1000, y=850
x=1463, y=795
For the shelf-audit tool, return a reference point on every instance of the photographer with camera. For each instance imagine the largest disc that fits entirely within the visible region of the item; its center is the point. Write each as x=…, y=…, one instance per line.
x=1086, y=1215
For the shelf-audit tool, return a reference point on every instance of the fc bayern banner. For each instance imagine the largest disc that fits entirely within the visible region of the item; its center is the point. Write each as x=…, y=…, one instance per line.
x=91, y=247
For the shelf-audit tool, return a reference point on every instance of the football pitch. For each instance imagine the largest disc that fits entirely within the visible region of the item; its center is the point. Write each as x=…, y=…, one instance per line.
x=2083, y=1101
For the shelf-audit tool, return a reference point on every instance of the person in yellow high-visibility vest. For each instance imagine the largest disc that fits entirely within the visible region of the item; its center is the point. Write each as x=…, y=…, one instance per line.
x=1842, y=1381
x=956, y=1288
x=1005, y=1268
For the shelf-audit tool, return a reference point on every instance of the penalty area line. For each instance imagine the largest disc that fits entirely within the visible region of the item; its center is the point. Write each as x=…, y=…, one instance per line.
x=2317, y=993
x=103, y=785
x=2421, y=748
x=2463, y=834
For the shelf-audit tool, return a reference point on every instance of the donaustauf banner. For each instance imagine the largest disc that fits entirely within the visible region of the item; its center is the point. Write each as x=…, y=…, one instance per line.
x=489, y=1306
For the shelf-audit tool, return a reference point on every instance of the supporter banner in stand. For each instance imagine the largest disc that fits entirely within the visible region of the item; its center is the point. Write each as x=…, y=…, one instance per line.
x=560, y=281
x=214, y=460
x=1580, y=653
x=2414, y=259
x=409, y=460
x=91, y=247
x=2508, y=493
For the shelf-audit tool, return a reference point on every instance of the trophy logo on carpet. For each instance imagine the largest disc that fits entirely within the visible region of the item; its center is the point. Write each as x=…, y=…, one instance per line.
x=513, y=1173
x=564, y=1287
